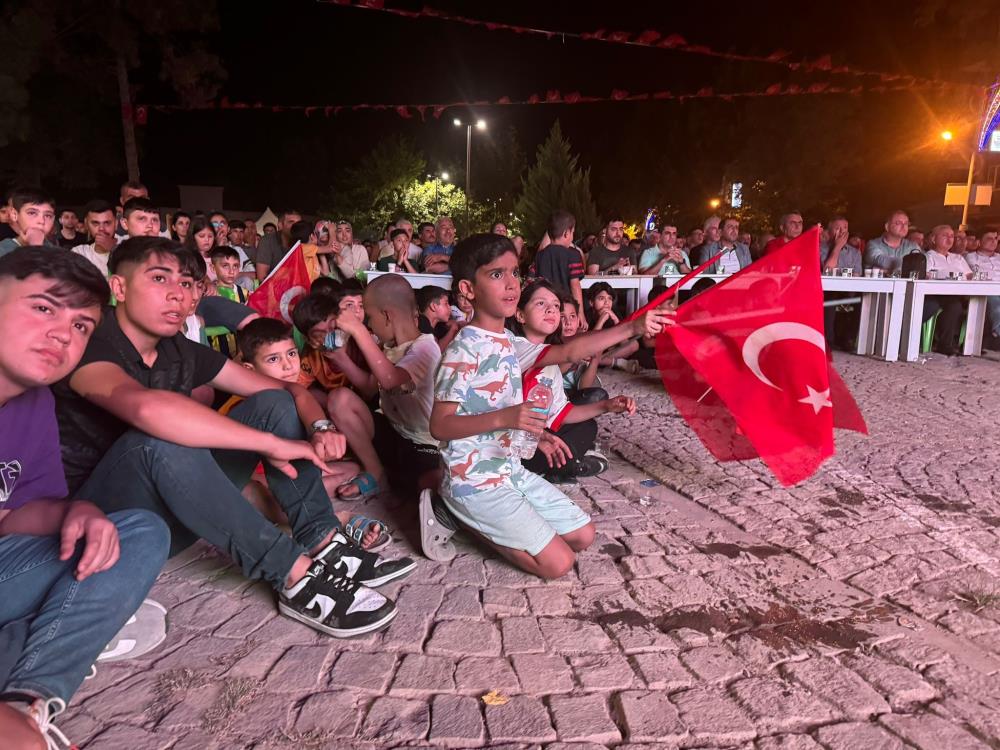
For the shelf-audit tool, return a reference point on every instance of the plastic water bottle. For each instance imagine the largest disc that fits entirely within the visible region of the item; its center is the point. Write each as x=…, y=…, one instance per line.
x=523, y=443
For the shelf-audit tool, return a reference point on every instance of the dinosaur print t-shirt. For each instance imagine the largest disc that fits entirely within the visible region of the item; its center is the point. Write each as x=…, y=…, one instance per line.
x=481, y=372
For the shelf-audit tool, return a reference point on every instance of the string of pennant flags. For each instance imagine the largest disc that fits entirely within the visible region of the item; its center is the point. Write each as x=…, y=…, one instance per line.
x=550, y=97
x=648, y=38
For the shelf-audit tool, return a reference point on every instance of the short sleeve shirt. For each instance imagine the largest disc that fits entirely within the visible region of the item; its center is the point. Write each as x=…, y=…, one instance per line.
x=315, y=368
x=550, y=375
x=86, y=430
x=605, y=259
x=988, y=264
x=270, y=250
x=30, y=468
x=559, y=265
x=91, y=253
x=481, y=372
x=651, y=255
x=409, y=409
x=947, y=264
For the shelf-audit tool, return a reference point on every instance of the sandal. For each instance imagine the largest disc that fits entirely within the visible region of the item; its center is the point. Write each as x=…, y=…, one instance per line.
x=364, y=483
x=358, y=526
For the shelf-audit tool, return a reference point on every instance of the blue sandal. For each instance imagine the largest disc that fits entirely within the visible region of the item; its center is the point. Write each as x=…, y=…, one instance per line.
x=357, y=526
x=364, y=483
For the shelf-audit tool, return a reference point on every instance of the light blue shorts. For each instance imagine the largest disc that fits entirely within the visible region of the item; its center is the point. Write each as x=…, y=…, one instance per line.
x=524, y=513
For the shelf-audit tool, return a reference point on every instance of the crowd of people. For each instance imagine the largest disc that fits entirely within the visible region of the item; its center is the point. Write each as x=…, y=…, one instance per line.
x=145, y=407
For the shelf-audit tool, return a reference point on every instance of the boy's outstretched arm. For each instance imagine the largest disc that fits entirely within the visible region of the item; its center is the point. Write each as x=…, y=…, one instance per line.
x=593, y=342
x=616, y=405
x=387, y=374
x=447, y=425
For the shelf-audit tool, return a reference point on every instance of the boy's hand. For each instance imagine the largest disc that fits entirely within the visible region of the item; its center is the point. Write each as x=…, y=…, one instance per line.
x=653, y=322
x=329, y=446
x=100, y=549
x=281, y=453
x=554, y=449
x=620, y=405
x=350, y=325
x=337, y=357
x=524, y=417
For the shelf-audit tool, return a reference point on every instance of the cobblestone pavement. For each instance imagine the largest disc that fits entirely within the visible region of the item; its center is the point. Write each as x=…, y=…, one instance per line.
x=860, y=609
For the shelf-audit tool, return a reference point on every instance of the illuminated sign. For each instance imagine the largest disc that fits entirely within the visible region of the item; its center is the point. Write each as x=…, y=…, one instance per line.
x=736, y=195
x=995, y=140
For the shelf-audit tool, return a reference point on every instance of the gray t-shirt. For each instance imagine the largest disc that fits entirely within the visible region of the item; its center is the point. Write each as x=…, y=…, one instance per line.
x=606, y=259
x=270, y=250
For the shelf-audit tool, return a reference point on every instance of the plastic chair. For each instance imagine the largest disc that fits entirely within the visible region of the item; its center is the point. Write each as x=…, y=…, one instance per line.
x=927, y=333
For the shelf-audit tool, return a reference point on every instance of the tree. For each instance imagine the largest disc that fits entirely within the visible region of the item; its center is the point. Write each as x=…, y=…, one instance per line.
x=554, y=182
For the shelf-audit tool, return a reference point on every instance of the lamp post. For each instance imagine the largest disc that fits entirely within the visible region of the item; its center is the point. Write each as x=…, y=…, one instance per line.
x=437, y=181
x=947, y=136
x=480, y=125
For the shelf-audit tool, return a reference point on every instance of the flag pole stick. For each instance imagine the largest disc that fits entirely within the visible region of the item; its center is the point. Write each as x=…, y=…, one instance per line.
x=671, y=290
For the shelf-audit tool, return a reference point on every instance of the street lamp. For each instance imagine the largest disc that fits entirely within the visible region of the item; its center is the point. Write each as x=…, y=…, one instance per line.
x=480, y=125
x=714, y=203
x=437, y=180
x=947, y=135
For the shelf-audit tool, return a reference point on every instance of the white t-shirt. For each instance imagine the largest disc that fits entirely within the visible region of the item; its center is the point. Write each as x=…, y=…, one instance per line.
x=988, y=264
x=97, y=258
x=946, y=264
x=409, y=409
x=550, y=375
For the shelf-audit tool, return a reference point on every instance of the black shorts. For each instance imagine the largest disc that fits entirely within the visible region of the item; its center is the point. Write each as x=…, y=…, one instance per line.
x=404, y=460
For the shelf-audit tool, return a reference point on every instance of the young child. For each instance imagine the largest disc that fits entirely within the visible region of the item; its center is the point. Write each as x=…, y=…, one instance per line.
x=226, y=262
x=578, y=377
x=601, y=299
x=461, y=307
x=405, y=371
x=478, y=401
x=538, y=321
x=32, y=216
x=316, y=317
x=266, y=346
x=435, y=315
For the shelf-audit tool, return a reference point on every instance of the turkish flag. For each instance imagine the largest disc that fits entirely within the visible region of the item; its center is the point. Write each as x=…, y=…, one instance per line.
x=287, y=283
x=747, y=366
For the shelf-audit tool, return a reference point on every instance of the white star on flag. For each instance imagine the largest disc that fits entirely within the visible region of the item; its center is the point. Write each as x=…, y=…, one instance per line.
x=817, y=399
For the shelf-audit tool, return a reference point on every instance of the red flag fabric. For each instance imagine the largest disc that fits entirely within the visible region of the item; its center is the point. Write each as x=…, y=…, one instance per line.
x=287, y=283
x=747, y=368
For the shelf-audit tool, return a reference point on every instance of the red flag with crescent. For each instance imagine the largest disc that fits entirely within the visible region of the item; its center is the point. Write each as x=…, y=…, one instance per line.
x=287, y=283
x=747, y=365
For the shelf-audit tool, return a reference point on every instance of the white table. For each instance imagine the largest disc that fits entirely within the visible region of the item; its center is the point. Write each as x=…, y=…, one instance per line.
x=636, y=287
x=976, y=291
x=417, y=280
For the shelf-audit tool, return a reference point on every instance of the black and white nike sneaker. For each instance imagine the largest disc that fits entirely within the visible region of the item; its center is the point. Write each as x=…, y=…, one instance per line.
x=345, y=558
x=334, y=604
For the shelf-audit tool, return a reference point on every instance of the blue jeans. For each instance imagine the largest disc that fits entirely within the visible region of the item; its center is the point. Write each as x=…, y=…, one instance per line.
x=197, y=491
x=53, y=626
x=993, y=315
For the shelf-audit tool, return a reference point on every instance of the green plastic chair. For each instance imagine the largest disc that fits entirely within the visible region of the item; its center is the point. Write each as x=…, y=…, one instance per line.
x=927, y=333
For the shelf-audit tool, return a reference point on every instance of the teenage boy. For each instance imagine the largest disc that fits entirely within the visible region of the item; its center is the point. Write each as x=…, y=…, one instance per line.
x=140, y=218
x=32, y=214
x=226, y=262
x=133, y=438
x=70, y=576
x=99, y=220
x=560, y=262
x=67, y=237
x=478, y=402
x=435, y=315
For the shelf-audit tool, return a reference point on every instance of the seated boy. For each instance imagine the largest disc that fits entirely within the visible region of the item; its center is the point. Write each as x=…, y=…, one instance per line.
x=322, y=357
x=70, y=576
x=478, y=402
x=133, y=438
x=226, y=262
x=601, y=301
x=435, y=315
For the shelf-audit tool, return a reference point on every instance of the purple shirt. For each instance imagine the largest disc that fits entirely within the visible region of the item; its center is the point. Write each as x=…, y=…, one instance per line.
x=30, y=465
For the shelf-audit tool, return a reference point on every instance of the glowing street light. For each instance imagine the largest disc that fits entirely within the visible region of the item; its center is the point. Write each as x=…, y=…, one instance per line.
x=480, y=125
x=947, y=135
x=444, y=176
x=714, y=203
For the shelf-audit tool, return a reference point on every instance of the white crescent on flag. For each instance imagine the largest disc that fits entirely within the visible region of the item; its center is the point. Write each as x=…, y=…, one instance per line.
x=287, y=301
x=785, y=331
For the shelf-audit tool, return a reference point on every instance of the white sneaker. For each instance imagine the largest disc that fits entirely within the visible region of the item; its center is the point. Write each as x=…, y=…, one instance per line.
x=144, y=631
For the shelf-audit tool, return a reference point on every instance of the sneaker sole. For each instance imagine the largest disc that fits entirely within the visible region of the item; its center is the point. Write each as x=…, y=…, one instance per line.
x=436, y=551
x=376, y=582
x=336, y=632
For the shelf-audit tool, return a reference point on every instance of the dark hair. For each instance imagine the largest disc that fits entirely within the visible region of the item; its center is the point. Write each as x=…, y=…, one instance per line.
x=25, y=195
x=396, y=232
x=132, y=185
x=352, y=287
x=78, y=284
x=313, y=309
x=138, y=249
x=300, y=232
x=569, y=299
x=560, y=222
x=387, y=225
x=476, y=251
x=889, y=216
x=261, y=332
x=614, y=219
x=270, y=224
x=600, y=286
x=325, y=285
x=219, y=213
x=199, y=224
x=223, y=251
x=428, y=295
x=179, y=215
x=137, y=204
x=67, y=209
x=8, y=196
x=526, y=294
x=423, y=225
x=98, y=207
x=196, y=265
x=289, y=211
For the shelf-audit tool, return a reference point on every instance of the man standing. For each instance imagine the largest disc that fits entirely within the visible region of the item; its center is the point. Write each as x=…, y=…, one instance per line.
x=734, y=255
x=274, y=245
x=664, y=257
x=613, y=255
x=886, y=252
x=99, y=219
x=791, y=227
x=437, y=256
x=67, y=237
x=985, y=260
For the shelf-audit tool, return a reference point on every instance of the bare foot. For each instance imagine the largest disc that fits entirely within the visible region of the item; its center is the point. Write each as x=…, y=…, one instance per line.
x=19, y=731
x=369, y=538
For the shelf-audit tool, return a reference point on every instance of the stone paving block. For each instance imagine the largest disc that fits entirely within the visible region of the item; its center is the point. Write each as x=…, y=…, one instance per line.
x=915, y=654
x=583, y=718
x=206, y=653
x=979, y=713
x=522, y=719
x=126, y=700
x=481, y=674
x=858, y=736
x=126, y=737
x=460, y=603
x=548, y=601
x=420, y=598
x=646, y=566
x=461, y=638
x=641, y=544
x=788, y=742
x=206, y=612
x=568, y=636
x=712, y=717
x=456, y=721
x=650, y=717
x=191, y=708
x=285, y=632
x=418, y=675
x=406, y=634
x=245, y=710
x=778, y=706
x=597, y=569
x=299, y=669
x=760, y=658
x=712, y=663
x=663, y=671
x=258, y=662
x=839, y=686
x=335, y=714
x=930, y=731
x=600, y=600
x=392, y=719
x=541, y=674
x=604, y=672
x=521, y=635
x=669, y=592
x=501, y=573
x=504, y=602
x=466, y=570
x=635, y=634
x=366, y=673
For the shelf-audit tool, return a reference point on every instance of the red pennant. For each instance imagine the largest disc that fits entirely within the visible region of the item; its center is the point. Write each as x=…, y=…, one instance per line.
x=619, y=36
x=438, y=111
x=777, y=56
x=572, y=97
x=309, y=110
x=422, y=109
x=773, y=89
x=674, y=40
x=822, y=63
x=141, y=115
x=647, y=37
x=534, y=99
x=618, y=95
x=706, y=91
x=817, y=88
x=552, y=96
x=503, y=100
x=404, y=112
